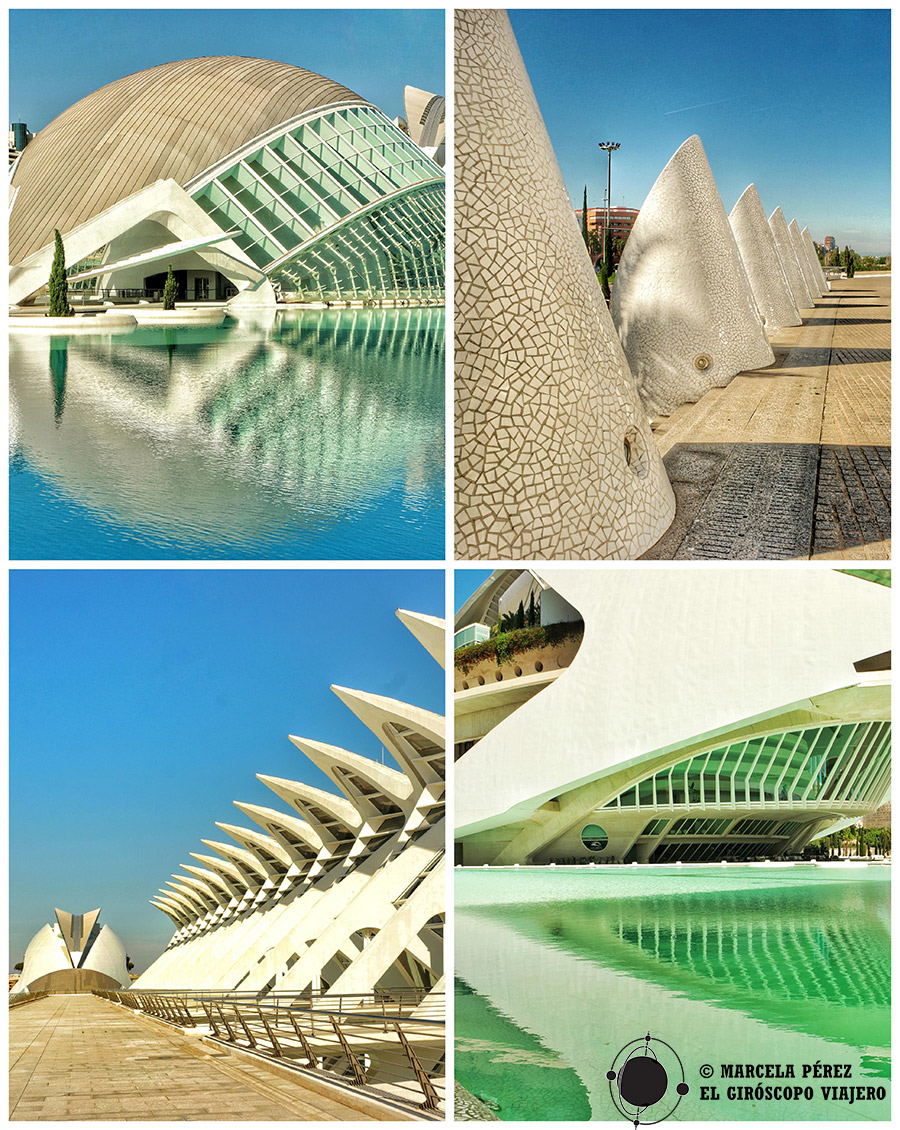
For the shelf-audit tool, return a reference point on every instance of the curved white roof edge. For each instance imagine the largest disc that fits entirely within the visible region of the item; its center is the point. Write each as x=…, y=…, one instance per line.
x=669, y=656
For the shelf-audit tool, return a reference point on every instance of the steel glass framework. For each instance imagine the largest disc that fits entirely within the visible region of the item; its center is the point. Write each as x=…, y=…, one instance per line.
x=819, y=766
x=341, y=205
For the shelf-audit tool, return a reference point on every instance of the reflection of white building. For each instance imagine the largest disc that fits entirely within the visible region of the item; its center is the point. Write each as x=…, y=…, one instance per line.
x=284, y=183
x=339, y=892
x=683, y=715
x=75, y=954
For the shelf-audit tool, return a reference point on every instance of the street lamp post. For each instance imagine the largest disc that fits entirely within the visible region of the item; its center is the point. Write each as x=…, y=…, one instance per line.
x=609, y=146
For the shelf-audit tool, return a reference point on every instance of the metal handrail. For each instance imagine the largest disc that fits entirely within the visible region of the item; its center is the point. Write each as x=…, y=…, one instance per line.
x=376, y=1041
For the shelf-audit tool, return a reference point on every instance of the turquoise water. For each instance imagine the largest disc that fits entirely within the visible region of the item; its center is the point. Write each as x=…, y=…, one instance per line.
x=295, y=434
x=558, y=971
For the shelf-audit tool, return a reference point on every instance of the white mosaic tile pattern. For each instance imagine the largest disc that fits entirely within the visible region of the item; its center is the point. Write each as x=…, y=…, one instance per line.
x=812, y=284
x=760, y=256
x=818, y=274
x=554, y=454
x=795, y=277
x=681, y=300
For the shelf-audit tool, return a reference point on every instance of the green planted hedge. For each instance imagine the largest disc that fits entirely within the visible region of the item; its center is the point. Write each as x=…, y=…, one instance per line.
x=501, y=648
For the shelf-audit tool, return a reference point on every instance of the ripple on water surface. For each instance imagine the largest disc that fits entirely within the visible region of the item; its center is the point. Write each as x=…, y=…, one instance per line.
x=304, y=434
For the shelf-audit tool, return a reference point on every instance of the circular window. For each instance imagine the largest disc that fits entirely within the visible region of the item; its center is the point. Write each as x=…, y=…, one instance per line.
x=593, y=837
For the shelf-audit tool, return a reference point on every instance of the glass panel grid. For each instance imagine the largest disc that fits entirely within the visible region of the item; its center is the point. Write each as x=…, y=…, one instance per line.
x=319, y=173
x=823, y=763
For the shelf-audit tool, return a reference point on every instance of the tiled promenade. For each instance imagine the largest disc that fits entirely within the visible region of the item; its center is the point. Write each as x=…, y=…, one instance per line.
x=792, y=461
x=82, y=1059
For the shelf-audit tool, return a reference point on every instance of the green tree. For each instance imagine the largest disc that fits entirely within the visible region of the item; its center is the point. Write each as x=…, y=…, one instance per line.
x=584, y=222
x=532, y=611
x=520, y=615
x=608, y=251
x=170, y=291
x=604, y=281
x=59, y=283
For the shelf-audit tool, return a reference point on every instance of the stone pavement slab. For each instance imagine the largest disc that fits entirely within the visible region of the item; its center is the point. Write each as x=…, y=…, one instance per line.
x=79, y=1058
x=792, y=461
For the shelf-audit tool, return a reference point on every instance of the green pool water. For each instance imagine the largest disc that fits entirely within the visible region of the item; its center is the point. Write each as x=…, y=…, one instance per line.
x=558, y=970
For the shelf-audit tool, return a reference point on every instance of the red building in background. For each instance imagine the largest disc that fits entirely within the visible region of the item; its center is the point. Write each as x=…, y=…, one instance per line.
x=621, y=221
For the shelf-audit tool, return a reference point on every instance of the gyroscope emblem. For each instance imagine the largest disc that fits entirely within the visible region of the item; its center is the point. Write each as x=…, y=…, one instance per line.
x=639, y=1080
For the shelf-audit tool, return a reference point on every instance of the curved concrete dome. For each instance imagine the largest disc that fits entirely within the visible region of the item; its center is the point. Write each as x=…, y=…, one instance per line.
x=171, y=121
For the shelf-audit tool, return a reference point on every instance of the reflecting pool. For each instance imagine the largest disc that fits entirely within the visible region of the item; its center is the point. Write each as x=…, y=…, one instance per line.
x=558, y=970
x=289, y=434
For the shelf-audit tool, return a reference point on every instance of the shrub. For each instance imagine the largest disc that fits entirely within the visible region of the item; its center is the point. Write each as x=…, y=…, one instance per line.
x=503, y=646
x=170, y=291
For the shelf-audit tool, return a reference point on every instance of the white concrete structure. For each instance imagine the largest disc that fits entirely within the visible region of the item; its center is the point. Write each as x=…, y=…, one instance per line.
x=813, y=259
x=759, y=254
x=74, y=954
x=249, y=177
x=812, y=283
x=788, y=255
x=554, y=456
x=345, y=893
x=426, y=121
x=705, y=714
x=681, y=300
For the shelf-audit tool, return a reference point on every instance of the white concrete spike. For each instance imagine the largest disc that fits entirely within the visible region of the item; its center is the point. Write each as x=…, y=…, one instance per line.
x=269, y=852
x=681, y=300
x=298, y=837
x=814, y=261
x=812, y=284
x=430, y=631
x=344, y=768
x=334, y=818
x=796, y=280
x=763, y=265
x=555, y=458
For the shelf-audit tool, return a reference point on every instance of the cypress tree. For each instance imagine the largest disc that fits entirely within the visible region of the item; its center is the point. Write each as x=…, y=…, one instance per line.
x=520, y=615
x=170, y=291
x=608, y=251
x=59, y=284
x=584, y=221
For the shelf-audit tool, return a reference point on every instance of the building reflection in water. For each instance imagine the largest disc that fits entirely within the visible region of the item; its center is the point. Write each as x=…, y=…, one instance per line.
x=296, y=433
x=737, y=964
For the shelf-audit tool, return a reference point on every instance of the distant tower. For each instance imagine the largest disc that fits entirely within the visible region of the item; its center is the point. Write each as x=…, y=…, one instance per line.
x=19, y=136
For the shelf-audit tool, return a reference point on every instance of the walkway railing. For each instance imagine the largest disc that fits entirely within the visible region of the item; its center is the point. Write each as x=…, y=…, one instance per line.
x=391, y=1042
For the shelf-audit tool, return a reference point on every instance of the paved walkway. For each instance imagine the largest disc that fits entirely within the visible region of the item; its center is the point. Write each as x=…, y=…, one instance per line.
x=80, y=1058
x=792, y=461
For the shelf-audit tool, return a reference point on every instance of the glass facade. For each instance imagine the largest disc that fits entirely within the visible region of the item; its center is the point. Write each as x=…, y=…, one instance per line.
x=821, y=765
x=342, y=206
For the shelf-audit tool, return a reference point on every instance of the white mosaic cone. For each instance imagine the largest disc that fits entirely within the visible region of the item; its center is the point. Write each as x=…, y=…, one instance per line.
x=795, y=277
x=812, y=283
x=813, y=258
x=760, y=256
x=681, y=300
x=554, y=454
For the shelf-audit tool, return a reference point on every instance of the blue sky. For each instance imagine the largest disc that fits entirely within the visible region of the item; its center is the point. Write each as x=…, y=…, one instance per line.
x=762, y=88
x=142, y=703
x=465, y=582
x=58, y=56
